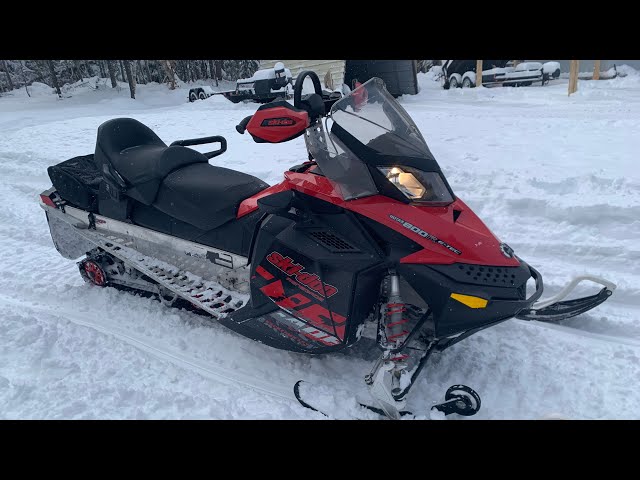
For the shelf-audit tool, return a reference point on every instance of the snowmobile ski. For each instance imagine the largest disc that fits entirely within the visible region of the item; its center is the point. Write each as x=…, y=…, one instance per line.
x=376, y=410
x=556, y=309
x=459, y=399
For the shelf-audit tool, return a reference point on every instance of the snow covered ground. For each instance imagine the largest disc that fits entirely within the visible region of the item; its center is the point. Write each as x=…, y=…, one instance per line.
x=555, y=177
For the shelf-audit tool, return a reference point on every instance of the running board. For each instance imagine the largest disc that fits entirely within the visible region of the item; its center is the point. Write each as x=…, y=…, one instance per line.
x=140, y=237
x=555, y=308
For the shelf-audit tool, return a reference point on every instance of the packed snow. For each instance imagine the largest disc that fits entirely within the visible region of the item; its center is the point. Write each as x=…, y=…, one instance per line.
x=554, y=176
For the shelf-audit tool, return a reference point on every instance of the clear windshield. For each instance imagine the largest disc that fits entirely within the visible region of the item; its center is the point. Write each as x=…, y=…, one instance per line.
x=339, y=164
x=374, y=118
x=371, y=115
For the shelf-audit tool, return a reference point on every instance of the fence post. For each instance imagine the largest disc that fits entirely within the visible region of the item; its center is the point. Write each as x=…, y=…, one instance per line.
x=573, y=76
x=478, y=73
x=596, y=70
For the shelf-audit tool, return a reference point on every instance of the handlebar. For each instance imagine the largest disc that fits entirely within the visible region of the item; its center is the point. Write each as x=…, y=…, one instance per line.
x=242, y=126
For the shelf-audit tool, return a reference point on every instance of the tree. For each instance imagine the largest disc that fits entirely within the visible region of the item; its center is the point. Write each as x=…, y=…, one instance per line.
x=24, y=77
x=76, y=65
x=6, y=71
x=131, y=78
x=169, y=66
x=213, y=71
x=235, y=69
x=146, y=68
x=122, y=71
x=54, y=79
x=112, y=74
x=87, y=67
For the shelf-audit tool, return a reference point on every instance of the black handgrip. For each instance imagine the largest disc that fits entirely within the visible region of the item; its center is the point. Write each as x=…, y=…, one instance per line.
x=203, y=140
x=242, y=126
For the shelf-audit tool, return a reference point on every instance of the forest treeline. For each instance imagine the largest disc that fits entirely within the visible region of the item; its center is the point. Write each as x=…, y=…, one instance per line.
x=56, y=73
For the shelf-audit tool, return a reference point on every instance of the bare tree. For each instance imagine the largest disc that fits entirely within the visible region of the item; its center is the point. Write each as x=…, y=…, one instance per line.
x=122, y=70
x=54, y=78
x=112, y=74
x=6, y=71
x=146, y=69
x=131, y=78
x=38, y=69
x=103, y=74
x=218, y=64
x=76, y=65
x=24, y=77
x=146, y=66
x=141, y=73
x=213, y=71
x=169, y=66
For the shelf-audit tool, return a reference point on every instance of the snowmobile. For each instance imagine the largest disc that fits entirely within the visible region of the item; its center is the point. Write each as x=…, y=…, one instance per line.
x=365, y=238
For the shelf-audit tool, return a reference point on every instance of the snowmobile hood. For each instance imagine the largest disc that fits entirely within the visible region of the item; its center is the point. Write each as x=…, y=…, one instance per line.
x=448, y=234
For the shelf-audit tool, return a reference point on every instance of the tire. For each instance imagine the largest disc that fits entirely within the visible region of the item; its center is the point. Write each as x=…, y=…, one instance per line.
x=192, y=96
x=466, y=83
x=453, y=82
x=556, y=74
x=202, y=95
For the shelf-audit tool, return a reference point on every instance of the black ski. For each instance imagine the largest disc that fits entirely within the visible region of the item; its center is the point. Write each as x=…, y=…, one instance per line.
x=379, y=411
x=565, y=309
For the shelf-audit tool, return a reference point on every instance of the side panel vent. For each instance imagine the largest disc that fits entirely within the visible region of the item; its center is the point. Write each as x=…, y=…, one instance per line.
x=331, y=241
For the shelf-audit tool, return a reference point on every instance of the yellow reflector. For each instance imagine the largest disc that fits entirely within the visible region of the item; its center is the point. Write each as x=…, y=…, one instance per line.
x=470, y=301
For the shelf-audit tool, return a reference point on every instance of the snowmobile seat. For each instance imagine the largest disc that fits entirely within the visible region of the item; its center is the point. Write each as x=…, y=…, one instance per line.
x=205, y=196
x=139, y=156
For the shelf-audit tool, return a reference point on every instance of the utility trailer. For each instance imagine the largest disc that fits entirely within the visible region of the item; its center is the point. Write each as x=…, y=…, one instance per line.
x=262, y=87
x=462, y=73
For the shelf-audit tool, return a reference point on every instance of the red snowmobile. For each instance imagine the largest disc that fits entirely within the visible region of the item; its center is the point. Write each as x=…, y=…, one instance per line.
x=366, y=238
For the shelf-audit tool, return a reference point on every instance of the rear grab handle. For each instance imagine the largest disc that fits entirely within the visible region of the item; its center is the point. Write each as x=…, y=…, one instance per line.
x=203, y=140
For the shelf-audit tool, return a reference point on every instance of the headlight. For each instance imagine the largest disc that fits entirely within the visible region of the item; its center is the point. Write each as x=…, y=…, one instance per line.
x=416, y=185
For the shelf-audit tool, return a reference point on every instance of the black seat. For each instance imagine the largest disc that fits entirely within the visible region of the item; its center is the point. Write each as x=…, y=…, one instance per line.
x=205, y=196
x=176, y=180
x=139, y=156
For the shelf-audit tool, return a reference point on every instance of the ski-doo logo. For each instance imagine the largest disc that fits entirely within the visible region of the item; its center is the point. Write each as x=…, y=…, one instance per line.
x=278, y=122
x=424, y=234
x=292, y=269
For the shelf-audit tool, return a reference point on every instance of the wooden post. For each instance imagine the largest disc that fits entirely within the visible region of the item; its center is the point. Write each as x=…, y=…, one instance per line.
x=478, y=73
x=596, y=70
x=573, y=76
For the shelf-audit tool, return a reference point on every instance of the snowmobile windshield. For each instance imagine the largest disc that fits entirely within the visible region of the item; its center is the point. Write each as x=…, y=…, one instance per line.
x=374, y=118
x=373, y=146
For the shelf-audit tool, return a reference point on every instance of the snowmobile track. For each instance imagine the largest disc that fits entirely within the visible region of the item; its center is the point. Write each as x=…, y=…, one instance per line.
x=210, y=296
